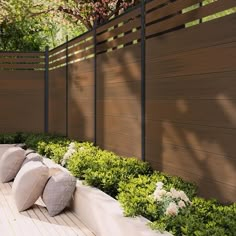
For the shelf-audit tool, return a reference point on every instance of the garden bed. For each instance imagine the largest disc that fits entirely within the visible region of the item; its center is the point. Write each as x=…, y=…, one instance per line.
x=170, y=203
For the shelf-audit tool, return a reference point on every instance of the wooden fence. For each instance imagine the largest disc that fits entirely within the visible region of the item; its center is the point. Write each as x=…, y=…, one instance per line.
x=21, y=92
x=157, y=83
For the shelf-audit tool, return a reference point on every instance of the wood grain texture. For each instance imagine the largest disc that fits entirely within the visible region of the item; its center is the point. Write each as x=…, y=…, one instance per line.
x=57, y=101
x=118, y=101
x=81, y=100
x=21, y=101
x=191, y=106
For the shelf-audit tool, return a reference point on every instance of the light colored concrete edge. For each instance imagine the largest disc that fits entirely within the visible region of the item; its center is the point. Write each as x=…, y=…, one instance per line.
x=103, y=215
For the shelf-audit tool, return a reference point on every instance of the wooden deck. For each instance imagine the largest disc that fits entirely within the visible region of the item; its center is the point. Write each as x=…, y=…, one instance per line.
x=36, y=220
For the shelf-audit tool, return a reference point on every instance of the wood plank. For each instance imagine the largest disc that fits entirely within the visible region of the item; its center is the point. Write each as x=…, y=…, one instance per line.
x=22, y=66
x=199, y=162
x=76, y=220
x=121, y=144
x=214, y=141
x=169, y=9
x=71, y=224
x=78, y=47
x=21, y=54
x=88, y=36
x=196, y=14
x=123, y=56
x=125, y=27
x=120, y=108
x=193, y=38
x=127, y=38
x=81, y=67
x=12, y=224
x=213, y=113
x=204, y=86
x=125, y=90
x=81, y=55
x=156, y=3
x=7, y=191
x=14, y=60
x=131, y=15
x=206, y=187
x=218, y=58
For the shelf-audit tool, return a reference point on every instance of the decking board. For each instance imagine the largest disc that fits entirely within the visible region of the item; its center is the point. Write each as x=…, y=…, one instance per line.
x=36, y=220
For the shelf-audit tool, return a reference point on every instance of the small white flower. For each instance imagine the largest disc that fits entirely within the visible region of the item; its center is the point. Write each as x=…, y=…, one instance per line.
x=181, y=204
x=72, y=145
x=162, y=192
x=183, y=196
x=172, y=209
x=81, y=148
x=174, y=193
x=159, y=185
x=168, y=194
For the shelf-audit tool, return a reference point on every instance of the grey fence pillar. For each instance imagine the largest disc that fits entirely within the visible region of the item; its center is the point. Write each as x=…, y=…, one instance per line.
x=46, y=91
x=143, y=82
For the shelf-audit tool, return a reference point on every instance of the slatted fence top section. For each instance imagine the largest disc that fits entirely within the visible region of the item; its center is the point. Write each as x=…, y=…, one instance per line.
x=119, y=32
x=163, y=16
x=22, y=61
x=78, y=49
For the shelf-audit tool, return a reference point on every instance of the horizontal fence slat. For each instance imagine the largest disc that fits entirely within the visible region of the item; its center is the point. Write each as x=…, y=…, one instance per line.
x=57, y=63
x=119, y=41
x=58, y=49
x=81, y=55
x=82, y=37
x=21, y=66
x=132, y=14
x=20, y=59
x=21, y=54
x=196, y=14
x=119, y=30
x=81, y=46
x=170, y=9
x=57, y=56
x=155, y=4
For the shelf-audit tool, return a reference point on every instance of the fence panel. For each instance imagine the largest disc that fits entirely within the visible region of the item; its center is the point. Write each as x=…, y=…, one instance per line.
x=21, y=92
x=119, y=85
x=190, y=93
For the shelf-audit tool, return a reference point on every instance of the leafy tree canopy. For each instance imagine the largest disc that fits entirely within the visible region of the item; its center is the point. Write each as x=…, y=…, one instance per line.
x=33, y=24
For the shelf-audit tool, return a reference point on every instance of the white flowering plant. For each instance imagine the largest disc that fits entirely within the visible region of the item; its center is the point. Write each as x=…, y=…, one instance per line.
x=70, y=151
x=170, y=202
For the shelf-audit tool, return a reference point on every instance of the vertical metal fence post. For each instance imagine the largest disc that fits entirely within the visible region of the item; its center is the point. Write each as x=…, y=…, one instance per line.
x=143, y=74
x=67, y=85
x=95, y=83
x=46, y=91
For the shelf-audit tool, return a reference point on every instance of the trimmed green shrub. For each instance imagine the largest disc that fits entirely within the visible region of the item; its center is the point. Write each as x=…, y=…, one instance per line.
x=134, y=183
x=136, y=198
x=203, y=218
x=104, y=170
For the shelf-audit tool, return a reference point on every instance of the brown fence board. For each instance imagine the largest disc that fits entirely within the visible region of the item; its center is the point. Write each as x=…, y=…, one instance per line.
x=214, y=188
x=74, y=48
x=86, y=36
x=198, y=13
x=134, y=13
x=22, y=66
x=170, y=9
x=193, y=38
x=207, y=139
x=57, y=101
x=119, y=30
x=81, y=103
x=22, y=54
x=155, y=4
x=21, y=101
x=119, y=41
